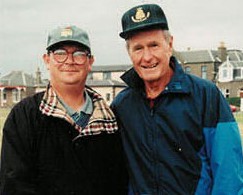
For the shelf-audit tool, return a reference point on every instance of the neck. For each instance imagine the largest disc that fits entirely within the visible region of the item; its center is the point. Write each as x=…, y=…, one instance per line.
x=153, y=89
x=71, y=95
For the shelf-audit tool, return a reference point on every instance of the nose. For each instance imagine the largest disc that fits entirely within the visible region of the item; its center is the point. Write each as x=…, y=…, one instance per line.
x=70, y=59
x=147, y=55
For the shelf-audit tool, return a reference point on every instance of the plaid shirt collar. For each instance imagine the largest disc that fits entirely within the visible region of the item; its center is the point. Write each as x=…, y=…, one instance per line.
x=101, y=120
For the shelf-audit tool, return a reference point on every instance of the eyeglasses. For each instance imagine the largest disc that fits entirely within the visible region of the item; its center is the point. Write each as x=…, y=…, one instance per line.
x=79, y=57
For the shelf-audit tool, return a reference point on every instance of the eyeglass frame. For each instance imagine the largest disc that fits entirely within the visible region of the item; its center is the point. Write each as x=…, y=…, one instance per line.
x=87, y=54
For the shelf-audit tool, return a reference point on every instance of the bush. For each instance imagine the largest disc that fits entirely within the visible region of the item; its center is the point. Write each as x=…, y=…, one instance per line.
x=234, y=101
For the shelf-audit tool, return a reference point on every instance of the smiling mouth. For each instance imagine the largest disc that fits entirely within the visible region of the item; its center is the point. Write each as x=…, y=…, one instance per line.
x=150, y=66
x=68, y=70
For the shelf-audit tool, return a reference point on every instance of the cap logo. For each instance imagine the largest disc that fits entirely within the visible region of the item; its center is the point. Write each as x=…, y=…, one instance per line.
x=140, y=15
x=66, y=32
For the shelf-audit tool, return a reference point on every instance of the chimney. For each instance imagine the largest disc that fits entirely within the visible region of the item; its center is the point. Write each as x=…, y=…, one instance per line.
x=38, y=76
x=222, y=52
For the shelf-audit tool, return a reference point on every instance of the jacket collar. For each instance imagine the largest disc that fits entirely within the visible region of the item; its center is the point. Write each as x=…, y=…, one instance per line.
x=101, y=120
x=178, y=83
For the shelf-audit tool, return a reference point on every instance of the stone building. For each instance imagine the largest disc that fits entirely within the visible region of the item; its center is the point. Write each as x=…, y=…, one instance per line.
x=214, y=65
x=17, y=85
x=230, y=74
x=108, y=72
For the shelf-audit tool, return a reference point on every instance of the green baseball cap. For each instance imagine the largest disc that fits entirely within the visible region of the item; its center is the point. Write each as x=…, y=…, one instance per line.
x=143, y=17
x=68, y=33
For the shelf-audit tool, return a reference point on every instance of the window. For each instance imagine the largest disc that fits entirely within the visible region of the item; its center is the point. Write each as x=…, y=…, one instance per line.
x=227, y=93
x=4, y=95
x=106, y=75
x=225, y=73
x=15, y=95
x=236, y=73
x=204, y=72
x=188, y=69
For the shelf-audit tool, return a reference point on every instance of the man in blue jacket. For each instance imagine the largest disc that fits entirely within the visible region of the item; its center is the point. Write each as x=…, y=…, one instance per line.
x=178, y=132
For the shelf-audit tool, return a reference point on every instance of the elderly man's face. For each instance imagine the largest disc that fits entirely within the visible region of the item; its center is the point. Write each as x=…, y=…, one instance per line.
x=70, y=71
x=150, y=53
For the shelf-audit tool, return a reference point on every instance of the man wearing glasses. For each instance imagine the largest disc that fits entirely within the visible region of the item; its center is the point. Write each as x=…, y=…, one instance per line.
x=63, y=140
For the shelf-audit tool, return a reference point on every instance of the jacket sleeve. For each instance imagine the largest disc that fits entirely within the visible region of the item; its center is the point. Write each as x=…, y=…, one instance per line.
x=17, y=175
x=224, y=149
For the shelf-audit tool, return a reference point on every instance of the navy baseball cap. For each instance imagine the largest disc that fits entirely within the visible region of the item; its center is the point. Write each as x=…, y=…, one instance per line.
x=143, y=17
x=68, y=34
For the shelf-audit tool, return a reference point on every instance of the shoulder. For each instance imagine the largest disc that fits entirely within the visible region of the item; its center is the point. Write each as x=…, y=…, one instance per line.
x=29, y=104
x=215, y=105
x=199, y=81
x=24, y=114
x=199, y=85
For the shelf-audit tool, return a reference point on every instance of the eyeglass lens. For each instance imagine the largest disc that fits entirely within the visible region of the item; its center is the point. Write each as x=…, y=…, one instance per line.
x=61, y=55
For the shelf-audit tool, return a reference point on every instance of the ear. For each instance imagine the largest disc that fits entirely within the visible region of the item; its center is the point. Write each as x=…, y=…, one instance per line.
x=46, y=59
x=171, y=42
x=91, y=61
x=128, y=48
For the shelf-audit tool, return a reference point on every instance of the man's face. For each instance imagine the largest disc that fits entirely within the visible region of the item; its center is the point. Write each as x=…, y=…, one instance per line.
x=150, y=53
x=69, y=70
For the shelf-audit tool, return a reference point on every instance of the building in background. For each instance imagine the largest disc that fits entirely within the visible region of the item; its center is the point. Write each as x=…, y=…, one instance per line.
x=17, y=85
x=108, y=72
x=107, y=88
x=223, y=67
x=230, y=74
x=106, y=80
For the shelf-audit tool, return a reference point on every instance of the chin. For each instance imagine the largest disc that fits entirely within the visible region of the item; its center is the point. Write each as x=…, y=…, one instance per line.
x=149, y=78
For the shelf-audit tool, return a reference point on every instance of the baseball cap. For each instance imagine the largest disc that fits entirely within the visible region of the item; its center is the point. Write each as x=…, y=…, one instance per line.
x=143, y=17
x=68, y=33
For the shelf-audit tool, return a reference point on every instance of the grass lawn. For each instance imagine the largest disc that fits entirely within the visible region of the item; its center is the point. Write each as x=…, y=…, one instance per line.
x=239, y=118
x=3, y=114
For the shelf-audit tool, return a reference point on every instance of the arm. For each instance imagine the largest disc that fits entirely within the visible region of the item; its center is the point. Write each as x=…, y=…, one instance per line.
x=224, y=150
x=17, y=167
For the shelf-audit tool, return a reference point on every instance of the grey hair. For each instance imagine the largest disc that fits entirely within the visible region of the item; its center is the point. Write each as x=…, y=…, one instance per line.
x=167, y=35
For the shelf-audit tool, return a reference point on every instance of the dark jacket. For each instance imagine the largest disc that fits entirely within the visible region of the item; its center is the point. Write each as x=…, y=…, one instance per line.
x=46, y=155
x=188, y=143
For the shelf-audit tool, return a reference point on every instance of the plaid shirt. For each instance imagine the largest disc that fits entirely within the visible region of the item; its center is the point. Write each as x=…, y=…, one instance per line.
x=101, y=120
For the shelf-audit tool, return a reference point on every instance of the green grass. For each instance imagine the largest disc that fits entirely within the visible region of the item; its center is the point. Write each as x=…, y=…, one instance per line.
x=239, y=117
x=3, y=115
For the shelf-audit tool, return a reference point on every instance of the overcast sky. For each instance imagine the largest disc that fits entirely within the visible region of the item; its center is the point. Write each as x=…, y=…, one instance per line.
x=193, y=23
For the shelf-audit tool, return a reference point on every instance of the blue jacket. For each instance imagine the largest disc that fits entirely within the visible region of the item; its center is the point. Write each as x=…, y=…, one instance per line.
x=188, y=143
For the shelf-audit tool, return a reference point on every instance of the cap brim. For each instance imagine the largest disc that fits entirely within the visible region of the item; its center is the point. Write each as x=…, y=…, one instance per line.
x=125, y=34
x=67, y=41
